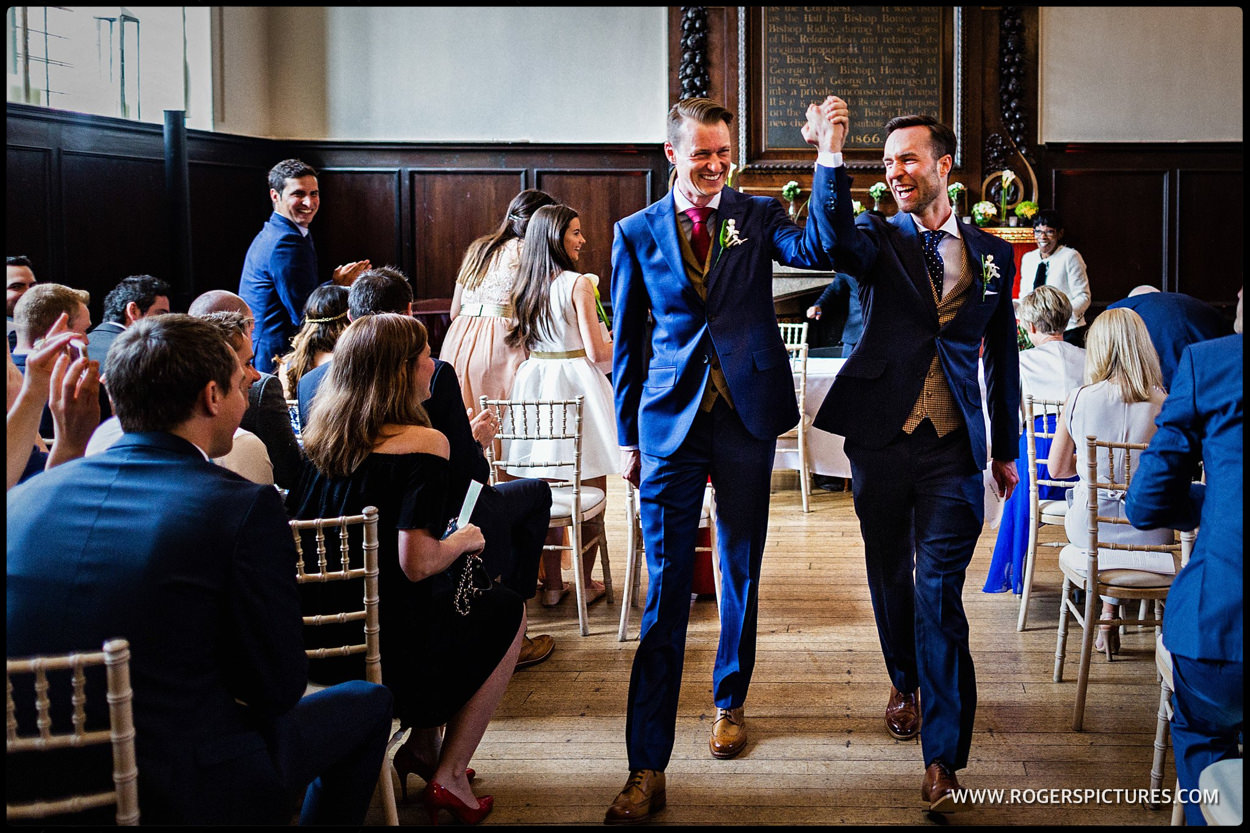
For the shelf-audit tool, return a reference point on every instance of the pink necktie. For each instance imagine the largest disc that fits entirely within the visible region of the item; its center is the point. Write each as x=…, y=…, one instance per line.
x=700, y=240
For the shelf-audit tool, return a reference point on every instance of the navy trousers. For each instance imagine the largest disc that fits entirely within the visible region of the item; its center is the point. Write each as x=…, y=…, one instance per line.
x=1208, y=710
x=920, y=509
x=671, y=494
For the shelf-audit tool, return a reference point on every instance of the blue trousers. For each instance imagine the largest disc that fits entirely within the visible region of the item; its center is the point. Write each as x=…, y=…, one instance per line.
x=1208, y=707
x=671, y=494
x=921, y=505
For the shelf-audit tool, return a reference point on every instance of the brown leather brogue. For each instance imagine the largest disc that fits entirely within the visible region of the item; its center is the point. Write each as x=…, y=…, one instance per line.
x=729, y=733
x=642, y=797
x=902, y=714
x=941, y=789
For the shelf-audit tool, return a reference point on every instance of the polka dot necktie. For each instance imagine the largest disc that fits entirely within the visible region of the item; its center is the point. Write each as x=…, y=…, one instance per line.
x=933, y=260
x=700, y=240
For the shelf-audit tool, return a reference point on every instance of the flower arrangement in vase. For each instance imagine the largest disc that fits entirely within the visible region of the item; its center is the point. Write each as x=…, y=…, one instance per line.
x=857, y=207
x=1008, y=178
x=984, y=212
x=1026, y=211
x=790, y=192
x=956, y=192
x=877, y=191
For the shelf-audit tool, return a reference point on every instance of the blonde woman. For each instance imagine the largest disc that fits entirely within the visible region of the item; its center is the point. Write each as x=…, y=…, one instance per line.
x=481, y=308
x=1122, y=395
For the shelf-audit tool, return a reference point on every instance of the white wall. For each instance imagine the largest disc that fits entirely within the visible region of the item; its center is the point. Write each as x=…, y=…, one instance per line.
x=1140, y=74
x=540, y=74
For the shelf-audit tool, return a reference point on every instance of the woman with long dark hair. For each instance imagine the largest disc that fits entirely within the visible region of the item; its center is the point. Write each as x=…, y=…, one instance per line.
x=448, y=650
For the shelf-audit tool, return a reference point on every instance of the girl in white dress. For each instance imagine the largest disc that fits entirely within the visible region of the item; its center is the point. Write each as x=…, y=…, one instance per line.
x=481, y=308
x=1119, y=402
x=557, y=320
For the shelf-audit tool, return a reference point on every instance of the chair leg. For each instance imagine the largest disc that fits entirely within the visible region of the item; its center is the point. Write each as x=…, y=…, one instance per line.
x=1161, y=744
x=386, y=785
x=805, y=473
x=609, y=596
x=1178, y=809
x=1030, y=559
x=1061, y=639
x=1088, y=626
x=629, y=599
x=579, y=577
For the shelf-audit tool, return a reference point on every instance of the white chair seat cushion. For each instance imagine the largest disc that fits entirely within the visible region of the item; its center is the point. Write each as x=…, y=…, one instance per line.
x=1072, y=560
x=1053, y=511
x=562, y=501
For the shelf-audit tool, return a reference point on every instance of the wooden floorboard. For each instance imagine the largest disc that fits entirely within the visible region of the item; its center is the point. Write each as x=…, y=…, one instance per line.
x=819, y=754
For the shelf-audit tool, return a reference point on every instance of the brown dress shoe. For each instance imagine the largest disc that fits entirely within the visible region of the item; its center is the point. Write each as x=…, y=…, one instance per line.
x=940, y=789
x=534, y=651
x=902, y=714
x=643, y=795
x=729, y=733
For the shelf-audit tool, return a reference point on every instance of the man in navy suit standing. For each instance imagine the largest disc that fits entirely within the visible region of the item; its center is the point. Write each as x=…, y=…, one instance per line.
x=936, y=295
x=195, y=566
x=1201, y=421
x=280, y=270
x=704, y=393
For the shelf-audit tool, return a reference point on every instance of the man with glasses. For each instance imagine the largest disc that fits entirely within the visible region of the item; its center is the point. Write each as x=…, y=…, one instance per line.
x=1060, y=266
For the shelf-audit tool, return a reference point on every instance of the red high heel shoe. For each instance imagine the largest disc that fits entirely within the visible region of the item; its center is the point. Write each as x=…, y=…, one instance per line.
x=406, y=763
x=437, y=797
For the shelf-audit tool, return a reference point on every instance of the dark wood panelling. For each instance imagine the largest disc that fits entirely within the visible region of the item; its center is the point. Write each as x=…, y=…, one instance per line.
x=450, y=209
x=600, y=199
x=1210, y=250
x=28, y=189
x=1110, y=242
x=112, y=232
x=360, y=216
x=229, y=205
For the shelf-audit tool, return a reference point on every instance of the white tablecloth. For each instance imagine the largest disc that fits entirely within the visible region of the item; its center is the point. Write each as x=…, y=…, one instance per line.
x=825, y=448
x=827, y=454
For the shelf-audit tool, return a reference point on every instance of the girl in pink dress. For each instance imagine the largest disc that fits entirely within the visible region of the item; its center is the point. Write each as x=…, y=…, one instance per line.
x=481, y=308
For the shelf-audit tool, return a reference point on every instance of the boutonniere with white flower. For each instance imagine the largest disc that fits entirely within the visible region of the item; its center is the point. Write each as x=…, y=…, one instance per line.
x=729, y=237
x=989, y=273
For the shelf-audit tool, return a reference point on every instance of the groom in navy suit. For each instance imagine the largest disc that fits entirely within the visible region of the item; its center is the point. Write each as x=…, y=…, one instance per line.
x=704, y=392
x=937, y=298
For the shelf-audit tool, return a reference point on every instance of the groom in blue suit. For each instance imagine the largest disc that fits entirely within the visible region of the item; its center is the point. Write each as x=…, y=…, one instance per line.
x=702, y=392
x=937, y=298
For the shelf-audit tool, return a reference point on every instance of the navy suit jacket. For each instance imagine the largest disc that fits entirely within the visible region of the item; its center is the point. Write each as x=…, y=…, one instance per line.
x=659, y=375
x=874, y=392
x=1201, y=420
x=1174, y=321
x=195, y=566
x=279, y=273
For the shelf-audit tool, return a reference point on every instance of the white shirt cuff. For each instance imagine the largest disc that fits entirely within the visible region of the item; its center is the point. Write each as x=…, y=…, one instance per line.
x=828, y=159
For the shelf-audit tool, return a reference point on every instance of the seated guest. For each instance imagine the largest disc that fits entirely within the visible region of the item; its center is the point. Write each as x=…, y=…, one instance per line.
x=267, y=415
x=513, y=515
x=33, y=316
x=1119, y=402
x=1201, y=422
x=21, y=277
x=194, y=566
x=450, y=648
x=134, y=299
x=1049, y=370
x=247, y=457
x=325, y=319
x=1174, y=321
x=61, y=378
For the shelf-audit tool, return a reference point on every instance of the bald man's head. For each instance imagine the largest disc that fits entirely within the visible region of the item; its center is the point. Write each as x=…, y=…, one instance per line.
x=219, y=300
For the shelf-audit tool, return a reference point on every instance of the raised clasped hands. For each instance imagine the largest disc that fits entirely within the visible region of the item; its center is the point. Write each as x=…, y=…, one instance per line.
x=827, y=124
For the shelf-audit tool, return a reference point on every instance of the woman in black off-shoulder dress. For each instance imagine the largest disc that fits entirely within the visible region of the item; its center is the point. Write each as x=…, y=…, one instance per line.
x=369, y=444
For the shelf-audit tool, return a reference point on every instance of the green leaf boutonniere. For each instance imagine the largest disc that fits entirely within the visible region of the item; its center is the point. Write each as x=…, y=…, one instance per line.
x=989, y=273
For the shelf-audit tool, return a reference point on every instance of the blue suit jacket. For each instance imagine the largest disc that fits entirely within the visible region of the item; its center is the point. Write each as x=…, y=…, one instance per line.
x=279, y=273
x=195, y=566
x=1201, y=420
x=659, y=376
x=1174, y=321
x=880, y=382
